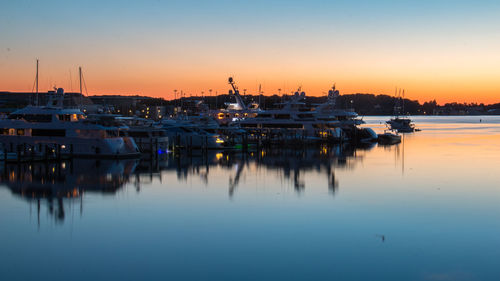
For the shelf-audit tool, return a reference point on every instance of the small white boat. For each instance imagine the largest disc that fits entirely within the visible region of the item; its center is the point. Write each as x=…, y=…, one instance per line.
x=389, y=137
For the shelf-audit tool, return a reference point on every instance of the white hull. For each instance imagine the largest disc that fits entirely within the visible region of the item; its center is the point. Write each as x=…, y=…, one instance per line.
x=119, y=147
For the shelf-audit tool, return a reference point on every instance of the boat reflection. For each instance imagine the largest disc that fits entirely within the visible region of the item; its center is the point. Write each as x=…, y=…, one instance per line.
x=54, y=183
x=290, y=163
x=59, y=184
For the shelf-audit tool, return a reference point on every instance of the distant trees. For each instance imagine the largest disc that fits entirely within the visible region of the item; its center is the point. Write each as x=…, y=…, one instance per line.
x=363, y=104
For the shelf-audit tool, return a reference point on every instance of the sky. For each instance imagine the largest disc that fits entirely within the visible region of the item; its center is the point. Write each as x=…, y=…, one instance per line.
x=448, y=50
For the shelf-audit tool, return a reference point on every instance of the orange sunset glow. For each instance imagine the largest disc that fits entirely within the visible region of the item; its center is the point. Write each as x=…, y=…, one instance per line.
x=434, y=51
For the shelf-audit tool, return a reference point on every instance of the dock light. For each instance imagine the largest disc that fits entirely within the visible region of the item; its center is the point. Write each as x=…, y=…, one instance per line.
x=219, y=140
x=63, y=146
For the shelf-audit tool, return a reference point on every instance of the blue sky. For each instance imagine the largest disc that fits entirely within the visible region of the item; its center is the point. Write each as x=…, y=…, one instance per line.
x=297, y=41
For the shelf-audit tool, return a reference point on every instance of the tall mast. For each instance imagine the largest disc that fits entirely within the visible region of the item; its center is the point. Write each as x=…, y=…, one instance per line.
x=403, y=101
x=36, y=79
x=80, y=75
x=260, y=93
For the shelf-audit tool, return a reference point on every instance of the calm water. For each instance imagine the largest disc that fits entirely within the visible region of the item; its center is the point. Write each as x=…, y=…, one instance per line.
x=426, y=209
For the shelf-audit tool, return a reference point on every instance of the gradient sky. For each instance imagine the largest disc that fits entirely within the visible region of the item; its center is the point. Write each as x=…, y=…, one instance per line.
x=447, y=50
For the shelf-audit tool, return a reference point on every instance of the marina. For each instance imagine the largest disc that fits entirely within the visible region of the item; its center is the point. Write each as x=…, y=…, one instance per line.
x=53, y=131
x=249, y=140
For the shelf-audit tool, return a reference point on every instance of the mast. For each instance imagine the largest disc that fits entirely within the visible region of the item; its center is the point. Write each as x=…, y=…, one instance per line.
x=260, y=93
x=403, y=102
x=80, y=75
x=36, y=82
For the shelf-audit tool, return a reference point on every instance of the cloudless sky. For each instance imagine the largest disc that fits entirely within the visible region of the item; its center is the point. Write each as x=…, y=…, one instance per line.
x=442, y=49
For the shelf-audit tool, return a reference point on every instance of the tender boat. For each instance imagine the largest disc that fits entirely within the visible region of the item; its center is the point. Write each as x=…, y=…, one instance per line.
x=388, y=138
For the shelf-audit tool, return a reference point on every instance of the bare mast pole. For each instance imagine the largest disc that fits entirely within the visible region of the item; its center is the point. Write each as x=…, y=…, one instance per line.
x=80, y=75
x=36, y=82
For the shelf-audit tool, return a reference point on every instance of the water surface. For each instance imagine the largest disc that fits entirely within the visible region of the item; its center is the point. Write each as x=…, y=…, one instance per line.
x=426, y=209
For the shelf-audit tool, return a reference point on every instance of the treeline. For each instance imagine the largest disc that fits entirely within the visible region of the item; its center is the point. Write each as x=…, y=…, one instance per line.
x=363, y=104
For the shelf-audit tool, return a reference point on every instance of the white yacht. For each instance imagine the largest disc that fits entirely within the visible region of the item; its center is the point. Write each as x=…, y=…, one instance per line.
x=328, y=111
x=348, y=118
x=400, y=123
x=294, y=120
x=149, y=136
x=38, y=129
x=235, y=111
x=182, y=133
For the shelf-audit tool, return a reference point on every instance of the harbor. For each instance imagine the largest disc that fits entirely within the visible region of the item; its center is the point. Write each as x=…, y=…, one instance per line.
x=249, y=140
x=57, y=130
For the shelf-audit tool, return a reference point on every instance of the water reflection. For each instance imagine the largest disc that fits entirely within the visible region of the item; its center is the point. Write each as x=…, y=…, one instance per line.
x=56, y=184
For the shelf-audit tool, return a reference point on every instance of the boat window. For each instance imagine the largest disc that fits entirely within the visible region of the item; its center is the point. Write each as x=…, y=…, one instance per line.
x=48, y=132
x=282, y=116
x=262, y=115
x=64, y=117
x=249, y=125
x=20, y=132
x=306, y=115
x=139, y=134
x=284, y=125
x=4, y=131
x=90, y=133
x=32, y=117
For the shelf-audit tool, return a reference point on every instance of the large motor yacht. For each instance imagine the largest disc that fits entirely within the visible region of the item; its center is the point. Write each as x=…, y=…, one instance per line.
x=38, y=129
x=293, y=118
x=329, y=111
x=235, y=111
